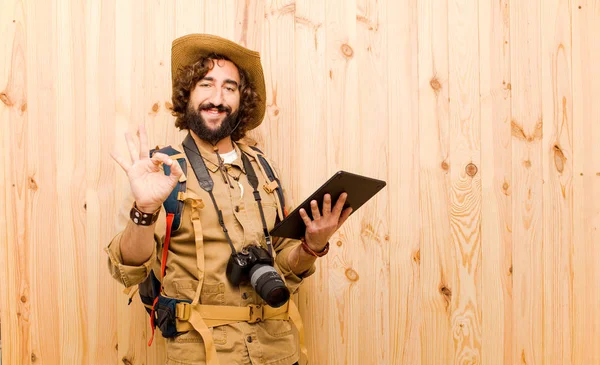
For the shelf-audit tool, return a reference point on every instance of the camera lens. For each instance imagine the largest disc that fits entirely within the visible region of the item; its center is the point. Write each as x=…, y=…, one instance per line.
x=268, y=284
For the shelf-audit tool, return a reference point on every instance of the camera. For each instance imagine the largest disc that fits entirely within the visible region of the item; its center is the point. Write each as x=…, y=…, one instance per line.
x=254, y=263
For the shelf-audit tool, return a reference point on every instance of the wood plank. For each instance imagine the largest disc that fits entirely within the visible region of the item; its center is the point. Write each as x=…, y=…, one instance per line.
x=586, y=177
x=371, y=260
x=557, y=159
x=249, y=19
x=437, y=273
x=159, y=26
x=343, y=131
x=15, y=193
x=465, y=194
x=133, y=329
x=219, y=17
x=42, y=174
x=310, y=112
x=277, y=56
x=526, y=126
x=496, y=179
x=70, y=134
x=159, y=32
x=403, y=182
x=189, y=17
x=99, y=204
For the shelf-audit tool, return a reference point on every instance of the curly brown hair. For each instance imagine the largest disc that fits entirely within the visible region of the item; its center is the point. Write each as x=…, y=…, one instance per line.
x=188, y=76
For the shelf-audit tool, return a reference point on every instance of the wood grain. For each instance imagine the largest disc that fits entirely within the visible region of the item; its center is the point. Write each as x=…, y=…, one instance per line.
x=465, y=162
x=437, y=271
x=371, y=248
x=557, y=157
x=527, y=172
x=15, y=196
x=496, y=183
x=586, y=181
x=342, y=127
x=310, y=114
x=481, y=116
x=403, y=143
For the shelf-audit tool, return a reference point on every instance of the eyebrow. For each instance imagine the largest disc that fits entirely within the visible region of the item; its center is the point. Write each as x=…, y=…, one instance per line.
x=227, y=81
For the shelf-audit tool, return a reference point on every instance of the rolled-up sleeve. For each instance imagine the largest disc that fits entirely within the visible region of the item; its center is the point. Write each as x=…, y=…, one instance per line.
x=126, y=274
x=293, y=280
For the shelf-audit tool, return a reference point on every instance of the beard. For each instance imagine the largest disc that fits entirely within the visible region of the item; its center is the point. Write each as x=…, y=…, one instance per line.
x=198, y=125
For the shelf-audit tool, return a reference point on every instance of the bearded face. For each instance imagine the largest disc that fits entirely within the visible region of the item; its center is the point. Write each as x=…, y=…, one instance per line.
x=211, y=132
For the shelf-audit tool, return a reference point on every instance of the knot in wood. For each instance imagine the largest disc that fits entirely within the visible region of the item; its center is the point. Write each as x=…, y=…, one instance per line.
x=471, y=169
x=351, y=274
x=435, y=84
x=347, y=51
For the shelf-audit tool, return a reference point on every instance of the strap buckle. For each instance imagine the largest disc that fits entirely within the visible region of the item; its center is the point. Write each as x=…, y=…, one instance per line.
x=183, y=311
x=270, y=187
x=256, y=313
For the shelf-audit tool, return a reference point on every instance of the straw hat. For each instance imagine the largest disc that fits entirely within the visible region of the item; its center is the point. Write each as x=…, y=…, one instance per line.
x=189, y=48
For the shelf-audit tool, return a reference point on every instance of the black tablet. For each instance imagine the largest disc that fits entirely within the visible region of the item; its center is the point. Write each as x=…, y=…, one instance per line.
x=359, y=188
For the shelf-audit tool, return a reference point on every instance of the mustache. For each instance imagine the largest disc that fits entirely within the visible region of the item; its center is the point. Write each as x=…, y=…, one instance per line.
x=220, y=108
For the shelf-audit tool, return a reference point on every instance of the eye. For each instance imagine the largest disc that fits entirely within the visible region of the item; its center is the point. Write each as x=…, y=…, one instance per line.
x=230, y=89
x=204, y=84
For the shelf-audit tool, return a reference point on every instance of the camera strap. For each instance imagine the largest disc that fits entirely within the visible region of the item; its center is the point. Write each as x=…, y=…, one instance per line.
x=253, y=180
x=207, y=184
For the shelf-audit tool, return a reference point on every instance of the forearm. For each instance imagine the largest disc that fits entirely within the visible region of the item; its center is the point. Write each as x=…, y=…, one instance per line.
x=137, y=244
x=300, y=261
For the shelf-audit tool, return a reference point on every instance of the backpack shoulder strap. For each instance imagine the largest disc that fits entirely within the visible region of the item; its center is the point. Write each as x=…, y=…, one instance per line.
x=174, y=203
x=270, y=174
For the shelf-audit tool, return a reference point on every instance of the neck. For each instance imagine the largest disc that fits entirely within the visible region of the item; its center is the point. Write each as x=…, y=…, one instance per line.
x=225, y=145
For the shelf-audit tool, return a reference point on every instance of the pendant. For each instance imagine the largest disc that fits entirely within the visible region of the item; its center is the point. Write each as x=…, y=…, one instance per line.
x=241, y=189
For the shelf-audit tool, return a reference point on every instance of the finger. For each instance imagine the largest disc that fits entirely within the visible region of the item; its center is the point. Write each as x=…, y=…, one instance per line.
x=345, y=214
x=305, y=217
x=121, y=161
x=339, y=205
x=144, y=152
x=131, y=146
x=327, y=205
x=160, y=158
x=314, y=208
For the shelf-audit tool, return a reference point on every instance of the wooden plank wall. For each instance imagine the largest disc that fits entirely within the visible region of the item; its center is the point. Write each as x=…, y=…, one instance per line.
x=482, y=116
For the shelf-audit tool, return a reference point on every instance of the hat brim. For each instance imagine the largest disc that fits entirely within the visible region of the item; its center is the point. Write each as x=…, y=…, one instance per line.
x=189, y=48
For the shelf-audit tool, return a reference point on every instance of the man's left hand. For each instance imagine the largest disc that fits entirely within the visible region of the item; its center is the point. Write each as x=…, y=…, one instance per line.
x=324, y=224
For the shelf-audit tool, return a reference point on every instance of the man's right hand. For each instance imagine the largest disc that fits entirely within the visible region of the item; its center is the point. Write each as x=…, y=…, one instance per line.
x=149, y=184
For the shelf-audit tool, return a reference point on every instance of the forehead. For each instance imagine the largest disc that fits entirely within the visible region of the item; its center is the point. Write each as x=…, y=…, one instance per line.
x=222, y=70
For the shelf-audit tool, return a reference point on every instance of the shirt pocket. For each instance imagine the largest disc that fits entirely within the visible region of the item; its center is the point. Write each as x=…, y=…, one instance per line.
x=277, y=328
x=270, y=211
x=213, y=293
x=185, y=288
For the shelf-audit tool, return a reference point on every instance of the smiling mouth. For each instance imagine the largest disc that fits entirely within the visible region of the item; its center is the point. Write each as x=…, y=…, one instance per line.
x=213, y=112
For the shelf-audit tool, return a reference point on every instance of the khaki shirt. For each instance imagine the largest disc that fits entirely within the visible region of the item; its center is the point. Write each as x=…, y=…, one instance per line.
x=268, y=342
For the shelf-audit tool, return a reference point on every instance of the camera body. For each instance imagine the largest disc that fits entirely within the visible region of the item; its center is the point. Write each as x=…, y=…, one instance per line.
x=239, y=265
x=255, y=264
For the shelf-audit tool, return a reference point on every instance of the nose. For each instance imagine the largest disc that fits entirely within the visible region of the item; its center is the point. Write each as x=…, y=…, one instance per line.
x=217, y=96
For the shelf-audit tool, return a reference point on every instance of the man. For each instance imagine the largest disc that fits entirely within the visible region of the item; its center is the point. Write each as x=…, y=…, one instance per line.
x=218, y=95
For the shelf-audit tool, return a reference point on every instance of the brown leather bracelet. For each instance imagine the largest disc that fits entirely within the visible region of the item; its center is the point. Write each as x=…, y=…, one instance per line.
x=311, y=252
x=141, y=218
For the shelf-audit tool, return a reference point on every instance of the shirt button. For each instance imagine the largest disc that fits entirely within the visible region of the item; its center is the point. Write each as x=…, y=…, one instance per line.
x=244, y=295
x=237, y=208
x=249, y=339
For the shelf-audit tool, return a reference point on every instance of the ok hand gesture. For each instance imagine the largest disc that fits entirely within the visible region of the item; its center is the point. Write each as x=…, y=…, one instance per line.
x=149, y=184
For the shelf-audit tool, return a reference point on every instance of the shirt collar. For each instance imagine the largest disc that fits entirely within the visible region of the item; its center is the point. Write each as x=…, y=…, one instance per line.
x=210, y=156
